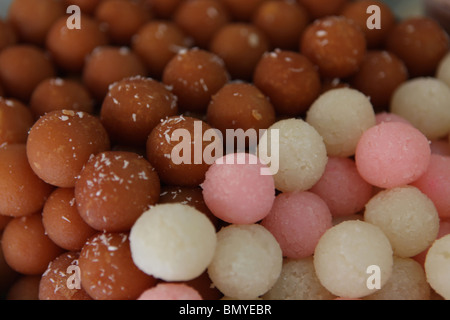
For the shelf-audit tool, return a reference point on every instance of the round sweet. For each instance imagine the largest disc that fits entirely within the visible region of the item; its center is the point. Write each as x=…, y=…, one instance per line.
x=25, y=288
x=247, y=262
x=164, y=9
x=107, y=270
x=107, y=65
x=22, y=68
x=61, y=142
x=282, y=21
x=15, y=121
x=425, y=103
x=8, y=36
x=62, y=221
x=70, y=47
x=26, y=247
x=297, y=220
x=341, y=116
x=242, y=10
x=435, y=183
x=336, y=45
x=33, y=19
x=437, y=265
x=342, y=188
x=188, y=196
x=113, y=190
x=389, y=117
x=407, y=282
x=201, y=19
x=236, y=190
x=61, y=272
x=180, y=152
x=421, y=43
x=357, y=11
x=443, y=70
x=133, y=107
x=22, y=192
x=86, y=6
x=392, y=154
x=241, y=46
x=289, y=79
x=407, y=217
x=170, y=291
x=344, y=254
x=59, y=94
x=195, y=76
x=322, y=8
x=240, y=106
x=122, y=19
x=298, y=281
x=173, y=242
x=282, y=145
x=157, y=42
x=380, y=74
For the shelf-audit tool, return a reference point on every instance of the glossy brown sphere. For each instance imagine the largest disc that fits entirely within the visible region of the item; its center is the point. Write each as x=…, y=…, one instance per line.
x=15, y=121
x=24, y=288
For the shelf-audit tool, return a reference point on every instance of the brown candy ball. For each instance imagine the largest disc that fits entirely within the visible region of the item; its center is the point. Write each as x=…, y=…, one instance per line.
x=289, y=79
x=8, y=35
x=59, y=94
x=61, y=142
x=61, y=280
x=15, y=121
x=22, y=68
x=63, y=222
x=133, y=107
x=107, y=65
x=322, y=8
x=240, y=106
x=189, y=166
x=380, y=74
x=164, y=9
x=357, y=11
x=26, y=247
x=336, y=45
x=195, y=75
x=114, y=189
x=421, y=43
x=70, y=47
x=25, y=288
x=283, y=22
x=122, y=19
x=241, y=46
x=157, y=42
x=201, y=19
x=33, y=19
x=242, y=10
x=22, y=192
x=108, y=271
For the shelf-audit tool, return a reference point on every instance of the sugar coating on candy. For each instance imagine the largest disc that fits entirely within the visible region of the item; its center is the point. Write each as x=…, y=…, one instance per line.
x=341, y=116
x=407, y=217
x=407, y=282
x=301, y=152
x=247, y=261
x=443, y=70
x=236, y=191
x=435, y=183
x=298, y=281
x=173, y=242
x=425, y=103
x=392, y=154
x=342, y=187
x=298, y=220
x=437, y=265
x=171, y=291
x=345, y=253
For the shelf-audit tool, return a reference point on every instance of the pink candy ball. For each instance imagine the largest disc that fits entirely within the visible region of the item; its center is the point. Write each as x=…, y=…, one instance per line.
x=435, y=183
x=170, y=291
x=342, y=188
x=235, y=190
x=392, y=154
x=298, y=220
